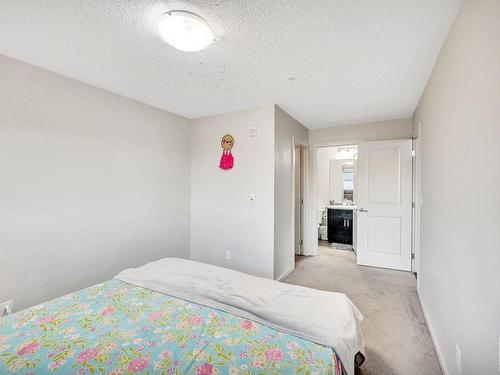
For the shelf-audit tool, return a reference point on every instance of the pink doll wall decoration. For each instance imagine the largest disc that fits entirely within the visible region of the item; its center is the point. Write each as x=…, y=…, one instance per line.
x=226, y=160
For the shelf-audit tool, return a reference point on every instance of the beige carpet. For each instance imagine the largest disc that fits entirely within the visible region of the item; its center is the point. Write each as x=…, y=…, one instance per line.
x=397, y=338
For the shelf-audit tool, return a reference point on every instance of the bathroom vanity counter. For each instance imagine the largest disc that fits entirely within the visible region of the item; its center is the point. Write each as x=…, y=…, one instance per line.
x=341, y=207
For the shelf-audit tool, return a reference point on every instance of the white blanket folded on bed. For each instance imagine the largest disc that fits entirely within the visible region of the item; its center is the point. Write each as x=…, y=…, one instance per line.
x=326, y=318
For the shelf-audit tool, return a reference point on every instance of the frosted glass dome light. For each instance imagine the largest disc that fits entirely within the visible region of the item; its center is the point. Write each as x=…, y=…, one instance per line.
x=185, y=31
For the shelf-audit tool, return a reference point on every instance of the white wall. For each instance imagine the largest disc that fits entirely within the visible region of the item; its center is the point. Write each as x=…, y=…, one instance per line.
x=459, y=114
x=372, y=131
x=222, y=216
x=286, y=127
x=91, y=183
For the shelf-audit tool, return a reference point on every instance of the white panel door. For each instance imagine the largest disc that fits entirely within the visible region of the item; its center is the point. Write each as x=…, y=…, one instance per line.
x=384, y=204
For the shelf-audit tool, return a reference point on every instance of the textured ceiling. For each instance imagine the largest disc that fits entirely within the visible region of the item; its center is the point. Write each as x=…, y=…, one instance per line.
x=352, y=60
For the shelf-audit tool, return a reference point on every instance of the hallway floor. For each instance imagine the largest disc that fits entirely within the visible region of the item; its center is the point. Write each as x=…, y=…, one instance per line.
x=396, y=335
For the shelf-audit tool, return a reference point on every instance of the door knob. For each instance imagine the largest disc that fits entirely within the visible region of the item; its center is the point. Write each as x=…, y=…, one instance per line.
x=362, y=210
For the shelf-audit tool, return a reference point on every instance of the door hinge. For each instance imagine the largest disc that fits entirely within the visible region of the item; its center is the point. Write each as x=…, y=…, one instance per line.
x=301, y=242
x=412, y=204
x=412, y=256
x=413, y=153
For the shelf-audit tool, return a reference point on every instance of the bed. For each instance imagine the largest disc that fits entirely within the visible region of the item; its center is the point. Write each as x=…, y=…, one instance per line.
x=175, y=316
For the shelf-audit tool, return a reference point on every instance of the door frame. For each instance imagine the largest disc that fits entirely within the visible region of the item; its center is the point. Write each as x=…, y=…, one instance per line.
x=417, y=200
x=304, y=146
x=298, y=211
x=312, y=208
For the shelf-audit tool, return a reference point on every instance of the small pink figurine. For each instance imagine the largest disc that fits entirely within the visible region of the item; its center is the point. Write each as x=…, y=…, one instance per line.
x=226, y=160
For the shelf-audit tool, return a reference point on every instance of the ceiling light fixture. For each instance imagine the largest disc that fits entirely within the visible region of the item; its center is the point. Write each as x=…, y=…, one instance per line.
x=185, y=31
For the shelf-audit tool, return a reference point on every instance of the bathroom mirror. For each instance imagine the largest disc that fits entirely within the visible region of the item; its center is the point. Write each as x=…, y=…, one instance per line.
x=341, y=181
x=336, y=177
x=348, y=180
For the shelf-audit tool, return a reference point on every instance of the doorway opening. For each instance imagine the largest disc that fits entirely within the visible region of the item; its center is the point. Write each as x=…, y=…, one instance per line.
x=362, y=201
x=336, y=198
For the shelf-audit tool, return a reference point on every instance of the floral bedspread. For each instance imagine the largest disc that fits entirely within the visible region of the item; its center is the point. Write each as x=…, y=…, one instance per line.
x=117, y=328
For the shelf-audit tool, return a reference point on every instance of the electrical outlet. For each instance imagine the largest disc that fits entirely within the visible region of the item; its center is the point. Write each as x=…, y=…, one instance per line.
x=6, y=308
x=228, y=254
x=458, y=359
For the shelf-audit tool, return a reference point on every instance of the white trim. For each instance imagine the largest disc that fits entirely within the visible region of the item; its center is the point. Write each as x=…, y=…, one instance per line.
x=417, y=186
x=439, y=352
x=285, y=274
x=352, y=142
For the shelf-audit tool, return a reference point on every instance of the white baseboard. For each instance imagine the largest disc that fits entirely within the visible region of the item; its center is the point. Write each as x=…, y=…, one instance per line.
x=442, y=362
x=285, y=274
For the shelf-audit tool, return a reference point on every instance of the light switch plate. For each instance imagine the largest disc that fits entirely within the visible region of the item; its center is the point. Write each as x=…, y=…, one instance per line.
x=228, y=254
x=252, y=197
x=252, y=132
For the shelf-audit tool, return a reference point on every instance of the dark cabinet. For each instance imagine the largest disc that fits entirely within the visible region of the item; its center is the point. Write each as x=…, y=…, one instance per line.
x=340, y=226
